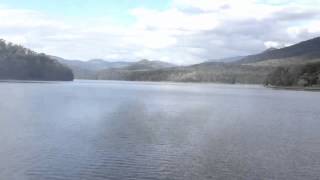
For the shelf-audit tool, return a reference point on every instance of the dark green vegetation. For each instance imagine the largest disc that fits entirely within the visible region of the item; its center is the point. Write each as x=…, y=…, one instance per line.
x=297, y=75
x=19, y=63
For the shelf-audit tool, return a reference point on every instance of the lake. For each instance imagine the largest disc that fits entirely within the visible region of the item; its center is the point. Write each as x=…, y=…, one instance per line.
x=99, y=130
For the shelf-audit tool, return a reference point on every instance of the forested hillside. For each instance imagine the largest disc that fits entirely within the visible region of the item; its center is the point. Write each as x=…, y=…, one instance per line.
x=205, y=72
x=298, y=75
x=19, y=63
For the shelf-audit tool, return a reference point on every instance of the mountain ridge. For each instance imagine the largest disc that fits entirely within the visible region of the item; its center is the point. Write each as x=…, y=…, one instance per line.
x=248, y=69
x=305, y=50
x=89, y=69
x=242, y=69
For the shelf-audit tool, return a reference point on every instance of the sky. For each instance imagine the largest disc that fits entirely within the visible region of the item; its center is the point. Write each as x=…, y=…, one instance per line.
x=175, y=31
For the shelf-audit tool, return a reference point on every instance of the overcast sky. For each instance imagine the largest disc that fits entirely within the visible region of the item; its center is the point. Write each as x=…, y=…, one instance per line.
x=176, y=31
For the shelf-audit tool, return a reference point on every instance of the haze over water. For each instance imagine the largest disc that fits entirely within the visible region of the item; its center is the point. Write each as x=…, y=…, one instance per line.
x=124, y=130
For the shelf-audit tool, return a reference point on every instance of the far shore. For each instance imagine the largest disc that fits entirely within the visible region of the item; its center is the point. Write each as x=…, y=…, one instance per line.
x=295, y=88
x=101, y=80
x=29, y=81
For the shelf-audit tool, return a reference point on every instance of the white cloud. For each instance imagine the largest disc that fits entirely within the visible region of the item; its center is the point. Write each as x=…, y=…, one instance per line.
x=11, y=18
x=17, y=39
x=273, y=44
x=314, y=27
x=229, y=9
x=189, y=31
x=152, y=40
x=173, y=19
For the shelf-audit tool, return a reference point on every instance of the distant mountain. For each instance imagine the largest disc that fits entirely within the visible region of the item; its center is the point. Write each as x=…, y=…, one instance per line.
x=252, y=69
x=136, y=71
x=89, y=69
x=204, y=72
x=94, y=64
x=149, y=65
x=304, y=52
x=270, y=49
x=226, y=60
x=19, y=63
x=99, y=64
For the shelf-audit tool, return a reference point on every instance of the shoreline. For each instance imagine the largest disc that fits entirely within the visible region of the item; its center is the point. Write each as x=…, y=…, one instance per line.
x=30, y=81
x=295, y=88
x=292, y=88
x=129, y=81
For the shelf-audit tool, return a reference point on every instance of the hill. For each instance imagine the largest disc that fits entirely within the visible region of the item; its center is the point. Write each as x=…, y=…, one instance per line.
x=247, y=69
x=149, y=65
x=204, y=72
x=252, y=69
x=89, y=69
x=227, y=60
x=19, y=63
x=303, y=52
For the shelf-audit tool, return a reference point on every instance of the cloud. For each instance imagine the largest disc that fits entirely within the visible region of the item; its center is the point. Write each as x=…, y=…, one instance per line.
x=273, y=44
x=174, y=19
x=190, y=31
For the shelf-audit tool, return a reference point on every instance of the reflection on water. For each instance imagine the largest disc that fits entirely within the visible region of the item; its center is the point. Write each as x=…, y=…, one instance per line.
x=120, y=130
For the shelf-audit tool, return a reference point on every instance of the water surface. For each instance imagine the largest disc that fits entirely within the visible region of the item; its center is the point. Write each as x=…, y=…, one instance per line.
x=131, y=130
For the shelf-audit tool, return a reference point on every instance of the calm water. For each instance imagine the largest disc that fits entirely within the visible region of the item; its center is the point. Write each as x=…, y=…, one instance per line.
x=89, y=130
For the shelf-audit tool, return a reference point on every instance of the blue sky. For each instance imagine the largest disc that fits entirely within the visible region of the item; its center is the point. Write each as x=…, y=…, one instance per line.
x=118, y=10
x=176, y=31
